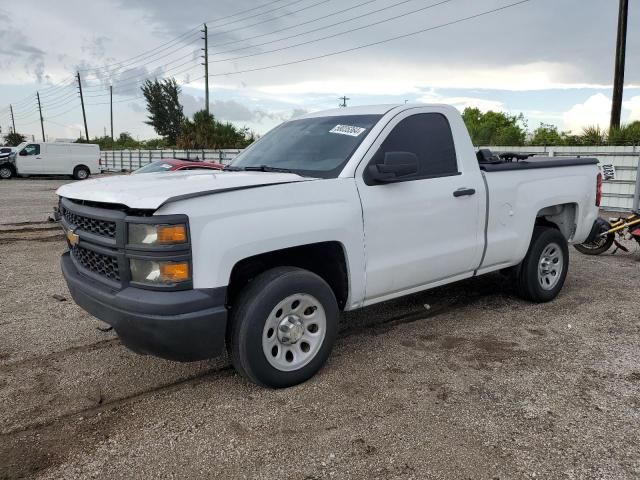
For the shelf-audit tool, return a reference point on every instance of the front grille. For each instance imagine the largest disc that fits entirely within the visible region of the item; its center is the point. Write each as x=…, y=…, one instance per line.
x=99, y=263
x=103, y=228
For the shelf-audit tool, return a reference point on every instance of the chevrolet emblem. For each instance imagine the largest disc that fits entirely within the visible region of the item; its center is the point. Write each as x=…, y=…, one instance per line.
x=72, y=237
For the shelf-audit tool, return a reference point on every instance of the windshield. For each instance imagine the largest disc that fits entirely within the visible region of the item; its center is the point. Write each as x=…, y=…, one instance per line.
x=315, y=147
x=158, y=166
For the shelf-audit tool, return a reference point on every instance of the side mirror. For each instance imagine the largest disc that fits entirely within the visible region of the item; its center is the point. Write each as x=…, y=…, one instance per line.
x=396, y=166
x=23, y=153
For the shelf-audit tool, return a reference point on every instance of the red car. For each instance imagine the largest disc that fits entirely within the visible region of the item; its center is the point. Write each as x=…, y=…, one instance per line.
x=175, y=164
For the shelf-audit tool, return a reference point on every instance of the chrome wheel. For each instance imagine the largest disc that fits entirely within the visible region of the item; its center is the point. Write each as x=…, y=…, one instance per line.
x=550, y=266
x=5, y=173
x=82, y=174
x=294, y=332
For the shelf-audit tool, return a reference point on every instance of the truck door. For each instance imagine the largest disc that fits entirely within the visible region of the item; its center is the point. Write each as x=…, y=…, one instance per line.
x=30, y=159
x=425, y=228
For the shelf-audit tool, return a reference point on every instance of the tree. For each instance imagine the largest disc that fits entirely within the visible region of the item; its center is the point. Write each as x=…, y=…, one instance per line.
x=125, y=142
x=626, y=135
x=547, y=134
x=494, y=128
x=14, y=139
x=206, y=132
x=593, y=135
x=165, y=111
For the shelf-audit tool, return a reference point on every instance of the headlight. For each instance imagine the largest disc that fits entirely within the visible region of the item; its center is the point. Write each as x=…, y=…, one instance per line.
x=152, y=234
x=159, y=272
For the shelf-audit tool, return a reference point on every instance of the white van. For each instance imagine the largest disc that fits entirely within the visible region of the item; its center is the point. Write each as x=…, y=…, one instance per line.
x=30, y=158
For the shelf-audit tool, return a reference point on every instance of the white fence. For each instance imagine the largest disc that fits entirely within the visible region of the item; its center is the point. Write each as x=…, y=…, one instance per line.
x=128, y=160
x=622, y=193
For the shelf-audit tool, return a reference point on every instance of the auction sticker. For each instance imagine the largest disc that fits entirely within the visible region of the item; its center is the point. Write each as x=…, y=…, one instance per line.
x=347, y=130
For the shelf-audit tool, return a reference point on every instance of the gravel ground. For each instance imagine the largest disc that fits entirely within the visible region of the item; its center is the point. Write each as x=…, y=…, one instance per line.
x=464, y=381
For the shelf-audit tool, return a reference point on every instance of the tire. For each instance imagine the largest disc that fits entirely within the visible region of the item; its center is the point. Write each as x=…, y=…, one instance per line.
x=596, y=248
x=266, y=312
x=541, y=275
x=6, y=172
x=81, y=173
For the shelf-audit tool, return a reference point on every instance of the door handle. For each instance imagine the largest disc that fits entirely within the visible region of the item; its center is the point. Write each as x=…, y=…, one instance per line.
x=464, y=192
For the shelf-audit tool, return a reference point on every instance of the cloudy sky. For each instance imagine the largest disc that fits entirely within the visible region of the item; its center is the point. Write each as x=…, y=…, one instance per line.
x=549, y=59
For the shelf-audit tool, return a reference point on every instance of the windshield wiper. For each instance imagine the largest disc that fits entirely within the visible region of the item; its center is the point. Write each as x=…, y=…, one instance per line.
x=267, y=168
x=230, y=168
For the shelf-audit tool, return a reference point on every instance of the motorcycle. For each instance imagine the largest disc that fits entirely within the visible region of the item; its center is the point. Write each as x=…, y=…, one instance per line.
x=609, y=233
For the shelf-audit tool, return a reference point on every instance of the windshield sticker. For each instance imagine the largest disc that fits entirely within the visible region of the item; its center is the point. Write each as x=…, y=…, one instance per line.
x=347, y=130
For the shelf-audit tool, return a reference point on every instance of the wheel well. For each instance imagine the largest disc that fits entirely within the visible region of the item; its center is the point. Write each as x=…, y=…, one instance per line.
x=80, y=166
x=325, y=259
x=561, y=217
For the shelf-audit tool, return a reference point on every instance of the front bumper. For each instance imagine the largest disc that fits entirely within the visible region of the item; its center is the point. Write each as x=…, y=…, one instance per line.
x=186, y=325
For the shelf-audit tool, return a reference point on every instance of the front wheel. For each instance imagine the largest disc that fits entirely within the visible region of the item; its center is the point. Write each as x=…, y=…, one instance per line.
x=541, y=275
x=6, y=172
x=598, y=246
x=283, y=327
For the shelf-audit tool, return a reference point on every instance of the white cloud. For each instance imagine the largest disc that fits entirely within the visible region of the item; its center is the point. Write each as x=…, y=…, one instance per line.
x=463, y=102
x=596, y=110
x=633, y=105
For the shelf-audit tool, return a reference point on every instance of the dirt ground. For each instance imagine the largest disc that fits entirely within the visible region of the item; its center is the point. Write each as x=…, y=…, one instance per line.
x=461, y=382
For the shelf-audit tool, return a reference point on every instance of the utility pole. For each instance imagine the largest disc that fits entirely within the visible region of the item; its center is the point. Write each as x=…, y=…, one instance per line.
x=84, y=115
x=41, y=120
x=206, y=66
x=111, y=108
x=618, y=81
x=13, y=119
x=344, y=101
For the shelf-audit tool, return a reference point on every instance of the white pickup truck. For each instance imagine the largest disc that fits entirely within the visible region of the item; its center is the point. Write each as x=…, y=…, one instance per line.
x=333, y=211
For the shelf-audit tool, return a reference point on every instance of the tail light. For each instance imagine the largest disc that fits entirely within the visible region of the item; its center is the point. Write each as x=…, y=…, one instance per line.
x=598, y=189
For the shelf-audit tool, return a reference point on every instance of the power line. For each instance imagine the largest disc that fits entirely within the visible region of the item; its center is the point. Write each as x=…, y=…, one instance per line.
x=294, y=2
x=134, y=78
x=116, y=81
x=293, y=26
x=270, y=19
x=380, y=42
x=61, y=101
x=61, y=114
x=142, y=79
x=139, y=96
x=191, y=32
x=97, y=71
x=71, y=80
x=306, y=42
x=333, y=35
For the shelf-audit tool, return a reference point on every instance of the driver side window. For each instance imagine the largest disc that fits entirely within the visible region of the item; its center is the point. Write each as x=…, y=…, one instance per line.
x=429, y=137
x=31, y=149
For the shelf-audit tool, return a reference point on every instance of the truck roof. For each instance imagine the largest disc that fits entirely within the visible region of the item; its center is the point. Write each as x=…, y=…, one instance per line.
x=369, y=109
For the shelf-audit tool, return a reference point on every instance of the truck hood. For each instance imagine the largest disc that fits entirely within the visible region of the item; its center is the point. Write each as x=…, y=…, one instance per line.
x=149, y=191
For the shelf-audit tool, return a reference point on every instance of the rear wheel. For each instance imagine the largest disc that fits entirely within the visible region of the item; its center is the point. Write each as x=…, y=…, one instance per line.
x=541, y=275
x=81, y=173
x=6, y=172
x=284, y=325
x=598, y=246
